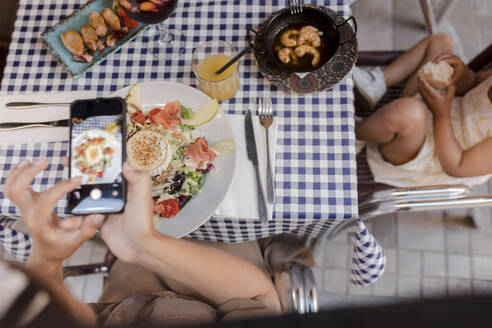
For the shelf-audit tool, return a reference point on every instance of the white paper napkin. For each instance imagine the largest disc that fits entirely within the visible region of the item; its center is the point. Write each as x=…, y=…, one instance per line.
x=241, y=201
x=40, y=114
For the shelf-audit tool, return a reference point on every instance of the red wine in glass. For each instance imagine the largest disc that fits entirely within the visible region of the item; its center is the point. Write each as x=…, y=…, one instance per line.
x=149, y=11
x=155, y=12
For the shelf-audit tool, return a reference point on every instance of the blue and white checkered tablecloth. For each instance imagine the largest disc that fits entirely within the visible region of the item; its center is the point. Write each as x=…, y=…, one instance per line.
x=316, y=184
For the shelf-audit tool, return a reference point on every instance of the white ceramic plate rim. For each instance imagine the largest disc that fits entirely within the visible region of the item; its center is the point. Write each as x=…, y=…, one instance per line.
x=204, y=204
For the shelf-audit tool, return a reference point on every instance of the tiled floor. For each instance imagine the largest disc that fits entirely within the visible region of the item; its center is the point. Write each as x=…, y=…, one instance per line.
x=429, y=254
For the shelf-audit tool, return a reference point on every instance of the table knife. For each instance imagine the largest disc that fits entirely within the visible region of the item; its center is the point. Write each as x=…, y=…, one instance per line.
x=10, y=126
x=253, y=157
x=27, y=104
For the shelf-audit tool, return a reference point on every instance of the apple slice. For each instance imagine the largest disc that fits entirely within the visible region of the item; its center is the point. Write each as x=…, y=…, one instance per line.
x=204, y=115
x=134, y=99
x=224, y=147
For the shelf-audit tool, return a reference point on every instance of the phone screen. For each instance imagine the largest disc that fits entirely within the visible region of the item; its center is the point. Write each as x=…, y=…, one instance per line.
x=97, y=152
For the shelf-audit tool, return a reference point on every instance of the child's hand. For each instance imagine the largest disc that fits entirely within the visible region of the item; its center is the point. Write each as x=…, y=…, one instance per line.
x=460, y=69
x=438, y=103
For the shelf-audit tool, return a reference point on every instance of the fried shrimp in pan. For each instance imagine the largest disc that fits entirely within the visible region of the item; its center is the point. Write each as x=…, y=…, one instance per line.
x=289, y=38
x=310, y=28
x=309, y=38
x=286, y=54
x=305, y=49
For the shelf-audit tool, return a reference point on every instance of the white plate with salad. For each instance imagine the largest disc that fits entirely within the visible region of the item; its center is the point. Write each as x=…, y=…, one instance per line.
x=184, y=140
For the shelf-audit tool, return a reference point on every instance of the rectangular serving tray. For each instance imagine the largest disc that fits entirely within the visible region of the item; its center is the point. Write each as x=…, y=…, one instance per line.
x=51, y=37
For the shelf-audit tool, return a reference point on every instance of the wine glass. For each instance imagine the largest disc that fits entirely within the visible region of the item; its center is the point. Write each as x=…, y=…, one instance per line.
x=155, y=12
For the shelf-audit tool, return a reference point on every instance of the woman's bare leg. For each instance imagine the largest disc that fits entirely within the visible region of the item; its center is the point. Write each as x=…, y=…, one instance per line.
x=399, y=127
x=407, y=65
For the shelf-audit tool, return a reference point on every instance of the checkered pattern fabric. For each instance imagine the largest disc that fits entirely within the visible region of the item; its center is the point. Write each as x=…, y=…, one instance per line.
x=315, y=159
x=368, y=261
x=98, y=122
x=15, y=242
x=11, y=155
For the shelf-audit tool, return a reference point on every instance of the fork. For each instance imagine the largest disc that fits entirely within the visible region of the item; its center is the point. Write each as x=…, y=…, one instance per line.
x=295, y=6
x=265, y=110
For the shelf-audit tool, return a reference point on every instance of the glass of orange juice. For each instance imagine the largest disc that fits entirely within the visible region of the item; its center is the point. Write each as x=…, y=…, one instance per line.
x=206, y=60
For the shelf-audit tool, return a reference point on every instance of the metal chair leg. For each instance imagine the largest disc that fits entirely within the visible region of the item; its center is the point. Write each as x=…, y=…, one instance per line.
x=297, y=289
x=80, y=270
x=430, y=19
x=310, y=291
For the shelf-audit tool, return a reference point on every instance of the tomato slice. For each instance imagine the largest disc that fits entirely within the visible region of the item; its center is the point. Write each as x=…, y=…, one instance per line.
x=108, y=151
x=138, y=117
x=152, y=113
x=167, y=208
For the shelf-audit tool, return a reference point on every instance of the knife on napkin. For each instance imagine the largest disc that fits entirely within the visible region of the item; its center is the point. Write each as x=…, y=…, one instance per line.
x=253, y=157
x=10, y=126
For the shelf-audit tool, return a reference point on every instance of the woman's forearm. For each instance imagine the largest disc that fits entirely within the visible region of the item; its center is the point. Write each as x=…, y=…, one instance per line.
x=51, y=270
x=51, y=274
x=213, y=274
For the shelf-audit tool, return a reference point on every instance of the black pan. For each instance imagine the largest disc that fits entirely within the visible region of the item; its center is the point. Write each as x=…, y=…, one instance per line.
x=283, y=19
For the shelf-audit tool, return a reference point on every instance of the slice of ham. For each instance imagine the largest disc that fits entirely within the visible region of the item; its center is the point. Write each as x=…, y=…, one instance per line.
x=168, y=117
x=199, y=152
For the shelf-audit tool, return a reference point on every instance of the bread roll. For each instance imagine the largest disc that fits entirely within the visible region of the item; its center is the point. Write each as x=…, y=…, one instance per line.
x=437, y=74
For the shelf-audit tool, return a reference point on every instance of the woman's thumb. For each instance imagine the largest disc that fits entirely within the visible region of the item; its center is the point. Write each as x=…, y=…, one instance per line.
x=130, y=173
x=136, y=179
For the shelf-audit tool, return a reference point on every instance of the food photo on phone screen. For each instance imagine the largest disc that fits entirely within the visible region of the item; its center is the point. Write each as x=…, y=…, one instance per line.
x=96, y=149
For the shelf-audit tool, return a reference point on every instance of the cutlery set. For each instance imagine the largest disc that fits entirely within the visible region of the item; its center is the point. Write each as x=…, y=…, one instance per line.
x=265, y=111
x=11, y=126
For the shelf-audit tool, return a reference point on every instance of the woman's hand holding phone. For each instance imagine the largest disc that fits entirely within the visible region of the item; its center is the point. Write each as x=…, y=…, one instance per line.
x=54, y=239
x=128, y=234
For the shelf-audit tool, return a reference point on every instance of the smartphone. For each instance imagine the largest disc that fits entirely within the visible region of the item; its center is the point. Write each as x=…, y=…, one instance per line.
x=97, y=152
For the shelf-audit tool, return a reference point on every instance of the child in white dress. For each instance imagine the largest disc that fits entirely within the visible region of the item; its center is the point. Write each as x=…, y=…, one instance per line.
x=432, y=137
